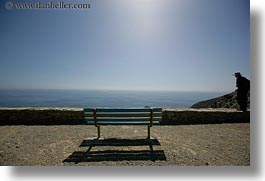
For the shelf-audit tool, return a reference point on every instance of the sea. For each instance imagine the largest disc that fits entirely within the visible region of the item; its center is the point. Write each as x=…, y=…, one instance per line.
x=101, y=98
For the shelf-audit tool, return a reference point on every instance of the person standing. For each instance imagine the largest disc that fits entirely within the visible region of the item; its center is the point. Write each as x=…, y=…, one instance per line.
x=243, y=87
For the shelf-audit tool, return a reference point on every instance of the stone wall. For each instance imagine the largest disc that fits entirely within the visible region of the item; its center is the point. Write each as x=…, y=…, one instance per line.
x=75, y=116
x=41, y=116
x=204, y=116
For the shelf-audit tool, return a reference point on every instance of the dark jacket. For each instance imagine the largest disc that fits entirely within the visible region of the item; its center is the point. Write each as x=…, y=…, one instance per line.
x=243, y=84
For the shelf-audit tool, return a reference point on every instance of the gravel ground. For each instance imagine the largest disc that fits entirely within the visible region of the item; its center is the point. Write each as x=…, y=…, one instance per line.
x=185, y=145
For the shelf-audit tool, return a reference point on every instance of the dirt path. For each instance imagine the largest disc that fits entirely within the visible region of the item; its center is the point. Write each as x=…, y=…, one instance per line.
x=217, y=144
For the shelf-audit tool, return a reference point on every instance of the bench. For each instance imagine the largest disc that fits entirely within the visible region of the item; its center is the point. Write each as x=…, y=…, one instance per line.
x=147, y=117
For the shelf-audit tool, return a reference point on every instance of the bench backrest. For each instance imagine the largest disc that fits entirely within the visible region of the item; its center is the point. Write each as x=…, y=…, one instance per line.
x=104, y=116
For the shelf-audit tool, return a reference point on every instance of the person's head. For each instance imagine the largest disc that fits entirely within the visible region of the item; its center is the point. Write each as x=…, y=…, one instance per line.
x=237, y=74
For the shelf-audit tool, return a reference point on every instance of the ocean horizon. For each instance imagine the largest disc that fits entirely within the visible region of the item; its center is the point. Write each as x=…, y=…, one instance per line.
x=102, y=98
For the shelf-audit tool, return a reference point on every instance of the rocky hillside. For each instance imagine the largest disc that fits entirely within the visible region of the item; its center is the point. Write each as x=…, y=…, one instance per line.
x=226, y=101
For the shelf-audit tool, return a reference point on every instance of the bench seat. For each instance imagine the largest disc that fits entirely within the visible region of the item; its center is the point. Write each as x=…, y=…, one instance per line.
x=100, y=116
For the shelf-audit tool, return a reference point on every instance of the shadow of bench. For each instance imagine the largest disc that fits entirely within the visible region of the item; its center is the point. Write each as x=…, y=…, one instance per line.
x=117, y=155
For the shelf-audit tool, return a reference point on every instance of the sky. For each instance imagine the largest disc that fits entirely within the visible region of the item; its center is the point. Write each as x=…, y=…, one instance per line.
x=175, y=45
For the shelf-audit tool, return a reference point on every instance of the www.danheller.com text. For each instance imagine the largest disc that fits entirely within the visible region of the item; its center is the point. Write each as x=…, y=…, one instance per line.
x=47, y=5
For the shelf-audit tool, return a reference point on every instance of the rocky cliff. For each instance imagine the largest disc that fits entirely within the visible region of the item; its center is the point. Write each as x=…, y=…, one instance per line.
x=226, y=101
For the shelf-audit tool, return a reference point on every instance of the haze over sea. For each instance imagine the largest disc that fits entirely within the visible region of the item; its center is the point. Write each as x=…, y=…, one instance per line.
x=101, y=98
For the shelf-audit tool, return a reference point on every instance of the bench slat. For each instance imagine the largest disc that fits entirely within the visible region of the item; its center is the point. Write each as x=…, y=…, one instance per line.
x=88, y=110
x=89, y=116
x=120, y=114
x=157, y=109
x=157, y=114
x=124, y=115
x=127, y=119
x=125, y=123
x=122, y=119
x=119, y=122
x=122, y=122
x=123, y=110
x=157, y=119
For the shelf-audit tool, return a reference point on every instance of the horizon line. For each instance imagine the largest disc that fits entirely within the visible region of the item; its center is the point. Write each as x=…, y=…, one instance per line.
x=147, y=90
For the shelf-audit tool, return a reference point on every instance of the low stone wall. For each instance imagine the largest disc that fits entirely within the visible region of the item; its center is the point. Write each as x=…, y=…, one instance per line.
x=41, y=116
x=75, y=116
x=204, y=116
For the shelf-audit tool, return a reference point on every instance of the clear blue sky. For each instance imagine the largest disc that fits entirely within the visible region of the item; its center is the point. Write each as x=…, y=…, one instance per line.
x=193, y=45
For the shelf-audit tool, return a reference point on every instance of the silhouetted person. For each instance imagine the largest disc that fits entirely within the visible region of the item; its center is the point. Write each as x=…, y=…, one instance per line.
x=243, y=87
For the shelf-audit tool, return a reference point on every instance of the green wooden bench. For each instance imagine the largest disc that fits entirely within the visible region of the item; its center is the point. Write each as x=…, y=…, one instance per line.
x=147, y=117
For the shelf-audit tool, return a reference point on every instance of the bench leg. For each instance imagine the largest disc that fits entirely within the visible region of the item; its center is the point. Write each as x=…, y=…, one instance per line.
x=98, y=131
x=148, y=132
